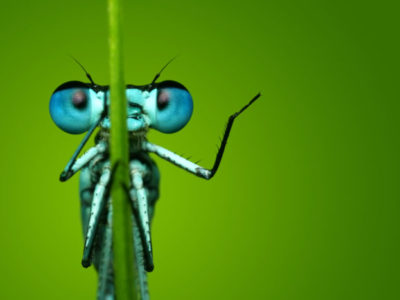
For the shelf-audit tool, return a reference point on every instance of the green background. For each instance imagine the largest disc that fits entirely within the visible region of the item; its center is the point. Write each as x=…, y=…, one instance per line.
x=306, y=202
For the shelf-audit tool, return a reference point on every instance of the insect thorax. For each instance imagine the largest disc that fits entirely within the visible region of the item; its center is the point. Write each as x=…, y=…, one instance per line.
x=136, y=139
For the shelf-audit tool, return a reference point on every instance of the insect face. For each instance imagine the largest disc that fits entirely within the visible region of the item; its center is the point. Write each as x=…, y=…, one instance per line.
x=140, y=112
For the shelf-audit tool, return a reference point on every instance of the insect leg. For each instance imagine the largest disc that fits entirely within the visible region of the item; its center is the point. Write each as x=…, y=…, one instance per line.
x=188, y=165
x=105, y=288
x=67, y=170
x=140, y=262
x=139, y=245
x=177, y=160
x=82, y=161
x=96, y=210
x=141, y=211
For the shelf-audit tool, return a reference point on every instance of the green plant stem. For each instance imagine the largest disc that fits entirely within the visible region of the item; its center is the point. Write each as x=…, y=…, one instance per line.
x=122, y=221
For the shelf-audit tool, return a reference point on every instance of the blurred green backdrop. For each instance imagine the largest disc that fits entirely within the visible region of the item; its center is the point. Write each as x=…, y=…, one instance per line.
x=306, y=201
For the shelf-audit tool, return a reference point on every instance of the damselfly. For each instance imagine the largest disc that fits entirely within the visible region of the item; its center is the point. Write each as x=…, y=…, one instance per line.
x=166, y=106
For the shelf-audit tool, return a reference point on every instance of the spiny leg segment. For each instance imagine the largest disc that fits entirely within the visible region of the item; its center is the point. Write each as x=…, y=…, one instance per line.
x=99, y=200
x=140, y=207
x=140, y=262
x=105, y=288
x=190, y=166
x=138, y=196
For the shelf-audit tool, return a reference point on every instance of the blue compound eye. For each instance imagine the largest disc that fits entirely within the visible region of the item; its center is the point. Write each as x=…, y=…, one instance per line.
x=71, y=107
x=174, y=107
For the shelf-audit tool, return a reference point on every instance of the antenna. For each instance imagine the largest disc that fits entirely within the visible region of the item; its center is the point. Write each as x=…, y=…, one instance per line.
x=86, y=72
x=159, y=73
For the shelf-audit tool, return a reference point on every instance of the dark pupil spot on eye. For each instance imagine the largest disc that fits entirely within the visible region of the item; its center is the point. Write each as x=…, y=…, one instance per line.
x=79, y=99
x=162, y=100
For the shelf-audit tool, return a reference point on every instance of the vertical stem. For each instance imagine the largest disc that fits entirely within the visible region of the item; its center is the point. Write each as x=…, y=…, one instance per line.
x=122, y=221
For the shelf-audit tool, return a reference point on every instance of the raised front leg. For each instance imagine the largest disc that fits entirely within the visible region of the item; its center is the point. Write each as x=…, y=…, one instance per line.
x=190, y=166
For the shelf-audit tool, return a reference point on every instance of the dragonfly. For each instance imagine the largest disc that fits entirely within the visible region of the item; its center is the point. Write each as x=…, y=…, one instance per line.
x=77, y=107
